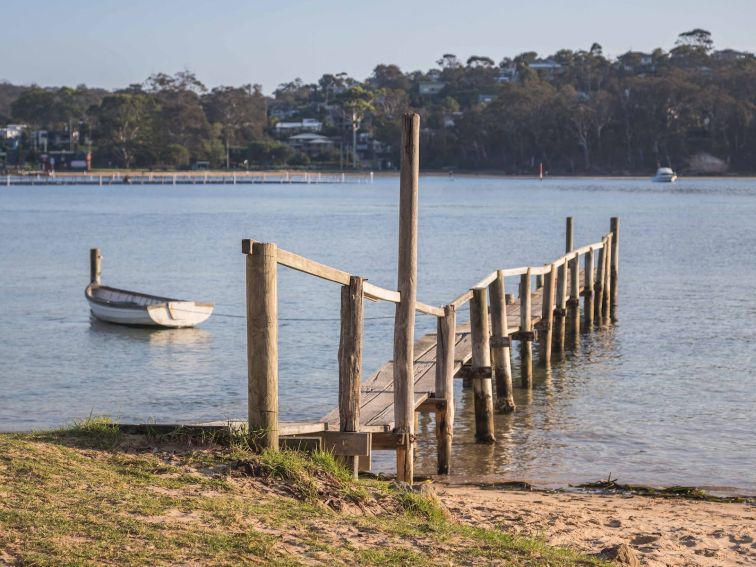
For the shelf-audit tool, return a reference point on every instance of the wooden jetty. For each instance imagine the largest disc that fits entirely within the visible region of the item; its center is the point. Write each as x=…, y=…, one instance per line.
x=379, y=412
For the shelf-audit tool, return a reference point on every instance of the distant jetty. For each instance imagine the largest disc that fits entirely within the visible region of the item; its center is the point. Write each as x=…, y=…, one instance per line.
x=186, y=178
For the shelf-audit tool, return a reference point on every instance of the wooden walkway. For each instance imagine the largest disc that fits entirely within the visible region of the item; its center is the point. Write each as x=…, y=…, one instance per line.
x=377, y=392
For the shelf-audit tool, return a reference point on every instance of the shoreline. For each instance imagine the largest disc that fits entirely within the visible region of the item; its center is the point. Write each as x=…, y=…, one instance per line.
x=361, y=174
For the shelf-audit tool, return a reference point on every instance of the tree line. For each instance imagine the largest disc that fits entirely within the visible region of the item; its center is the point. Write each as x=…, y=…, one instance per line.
x=691, y=108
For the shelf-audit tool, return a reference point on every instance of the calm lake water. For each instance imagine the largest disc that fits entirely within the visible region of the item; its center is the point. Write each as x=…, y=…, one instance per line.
x=667, y=396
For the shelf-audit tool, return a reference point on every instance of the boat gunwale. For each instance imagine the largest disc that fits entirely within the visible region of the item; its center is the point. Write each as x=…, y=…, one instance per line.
x=162, y=301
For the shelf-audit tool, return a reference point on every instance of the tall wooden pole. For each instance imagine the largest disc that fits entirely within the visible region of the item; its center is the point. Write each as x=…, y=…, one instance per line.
x=568, y=236
x=526, y=332
x=500, y=347
x=615, y=228
x=350, y=360
x=446, y=329
x=481, y=367
x=262, y=345
x=404, y=322
x=95, y=266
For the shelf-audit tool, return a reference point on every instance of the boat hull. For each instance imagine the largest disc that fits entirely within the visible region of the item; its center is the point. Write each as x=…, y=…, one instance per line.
x=135, y=309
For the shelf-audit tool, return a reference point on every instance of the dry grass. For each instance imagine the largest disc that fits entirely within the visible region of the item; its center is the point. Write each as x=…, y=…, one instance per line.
x=88, y=496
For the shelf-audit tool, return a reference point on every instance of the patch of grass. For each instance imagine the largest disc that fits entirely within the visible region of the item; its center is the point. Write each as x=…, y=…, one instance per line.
x=95, y=431
x=74, y=497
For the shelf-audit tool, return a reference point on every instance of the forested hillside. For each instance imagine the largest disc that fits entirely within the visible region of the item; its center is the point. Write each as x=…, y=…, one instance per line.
x=691, y=107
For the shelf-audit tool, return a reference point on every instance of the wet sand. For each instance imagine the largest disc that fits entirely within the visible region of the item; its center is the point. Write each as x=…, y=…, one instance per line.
x=661, y=531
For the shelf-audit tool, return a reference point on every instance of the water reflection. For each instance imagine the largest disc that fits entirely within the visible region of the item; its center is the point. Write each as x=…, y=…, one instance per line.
x=154, y=337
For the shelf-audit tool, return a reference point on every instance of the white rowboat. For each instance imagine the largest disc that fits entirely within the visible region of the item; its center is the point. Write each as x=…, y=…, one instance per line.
x=140, y=309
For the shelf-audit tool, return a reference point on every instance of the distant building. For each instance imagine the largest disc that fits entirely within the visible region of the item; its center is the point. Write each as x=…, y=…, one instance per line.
x=65, y=160
x=310, y=144
x=485, y=98
x=12, y=131
x=636, y=62
x=731, y=55
x=306, y=125
x=430, y=88
x=546, y=67
x=507, y=74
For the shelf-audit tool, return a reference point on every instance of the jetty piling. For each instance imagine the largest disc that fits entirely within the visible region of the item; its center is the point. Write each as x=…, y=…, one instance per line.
x=547, y=316
x=500, y=344
x=588, y=290
x=573, y=303
x=481, y=367
x=599, y=284
x=560, y=310
x=446, y=333
x=607, y=277
x=262, y=344
x=350, y=360
x=615, y=231
x=95, y=266
x=526, y=331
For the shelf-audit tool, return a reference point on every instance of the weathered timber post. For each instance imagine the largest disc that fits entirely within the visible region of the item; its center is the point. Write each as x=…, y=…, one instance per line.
x=539, y=281
x=588, y=290
x=500, y=345
x=573, y=304
x=404, y=321
x=599, y=285
x=262, y=344
x=560, y=311
x=446, y=339
x=547, y=316
x=95, y=266
x=615, y=228
x=607, y=277
x=526, y=332
x=481, y=367
x=568, y=236
x=350, y=360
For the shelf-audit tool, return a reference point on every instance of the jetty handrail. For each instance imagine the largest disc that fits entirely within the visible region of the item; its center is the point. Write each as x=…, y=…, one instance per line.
x=377, y=293
x=329, y=273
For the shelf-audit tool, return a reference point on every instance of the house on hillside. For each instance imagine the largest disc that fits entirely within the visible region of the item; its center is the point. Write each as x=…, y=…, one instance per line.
x=306, y=125
x=636, y=62
x=507, y=74
x=311, y=144
x=546, y=68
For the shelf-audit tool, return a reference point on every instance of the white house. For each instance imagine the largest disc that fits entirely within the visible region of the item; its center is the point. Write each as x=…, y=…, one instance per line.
x=306, y=125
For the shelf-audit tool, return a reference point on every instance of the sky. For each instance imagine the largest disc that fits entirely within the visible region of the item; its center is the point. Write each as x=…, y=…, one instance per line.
x=111, y=44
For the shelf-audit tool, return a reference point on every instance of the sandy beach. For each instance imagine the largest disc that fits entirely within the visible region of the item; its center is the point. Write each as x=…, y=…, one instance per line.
x=661, y=531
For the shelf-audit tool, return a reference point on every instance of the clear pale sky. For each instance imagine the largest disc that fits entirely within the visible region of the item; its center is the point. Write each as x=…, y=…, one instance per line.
x=111, y=44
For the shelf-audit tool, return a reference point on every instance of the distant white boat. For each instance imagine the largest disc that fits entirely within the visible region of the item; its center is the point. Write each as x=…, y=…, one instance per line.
x=140, y=309
x=664, y=175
